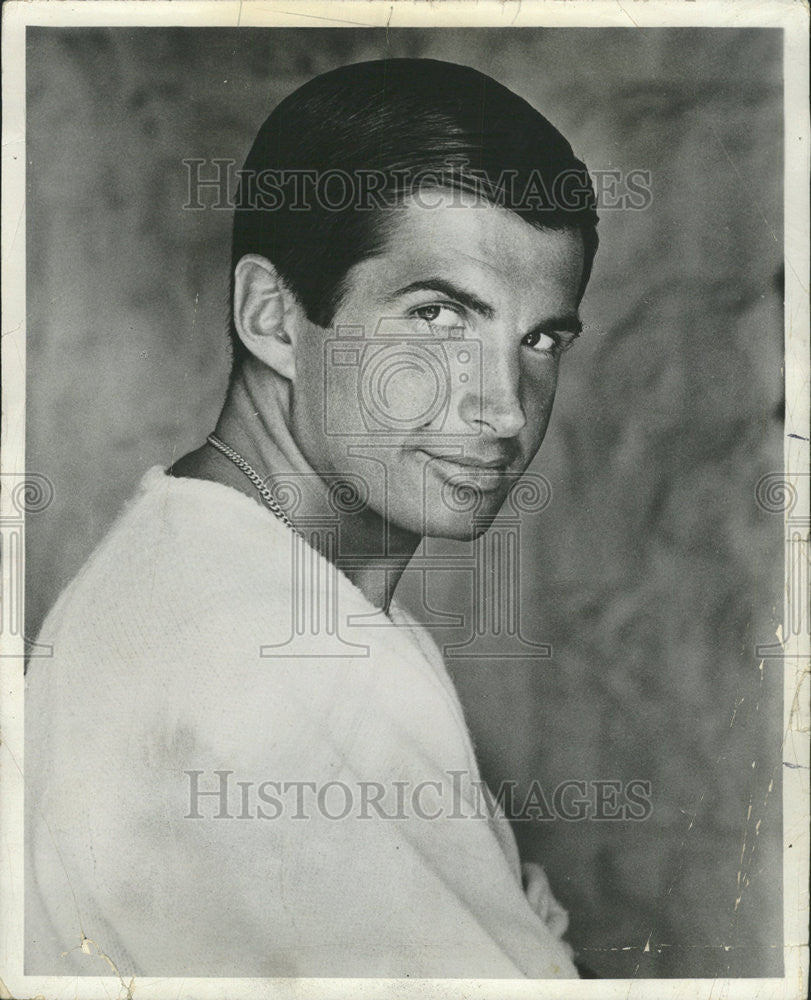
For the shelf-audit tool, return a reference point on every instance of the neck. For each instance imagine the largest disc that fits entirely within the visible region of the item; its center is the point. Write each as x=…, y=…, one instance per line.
x=255, y=421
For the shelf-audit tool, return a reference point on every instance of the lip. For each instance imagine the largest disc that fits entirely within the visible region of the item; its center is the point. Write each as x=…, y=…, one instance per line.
x=467, y=461
x=487, y=476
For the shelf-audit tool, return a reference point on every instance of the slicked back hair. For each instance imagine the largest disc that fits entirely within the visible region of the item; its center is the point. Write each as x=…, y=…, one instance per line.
x=336, y=152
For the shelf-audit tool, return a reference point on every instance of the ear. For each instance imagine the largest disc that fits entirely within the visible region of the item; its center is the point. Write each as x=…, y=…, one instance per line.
x=264, y=314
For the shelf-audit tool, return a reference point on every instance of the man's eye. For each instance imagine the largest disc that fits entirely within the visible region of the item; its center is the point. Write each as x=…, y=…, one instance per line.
x=540, y=342
x=438, y=315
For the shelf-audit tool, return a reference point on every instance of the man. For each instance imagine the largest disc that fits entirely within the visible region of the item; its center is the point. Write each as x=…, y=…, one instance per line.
x=245, y=758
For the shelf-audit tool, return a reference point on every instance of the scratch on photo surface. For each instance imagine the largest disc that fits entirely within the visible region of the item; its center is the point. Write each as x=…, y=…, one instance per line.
x=47, y=825
x=625, y=12
x=332, y=20
x=85, y=947
x=6, y=994
x=646, y=949
x=743, y=183
x=795, y=712
x=663, y=946
x=743, y=878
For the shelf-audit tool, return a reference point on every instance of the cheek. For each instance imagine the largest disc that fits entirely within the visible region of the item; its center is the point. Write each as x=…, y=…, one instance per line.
x=307, y=414
x=537, y=396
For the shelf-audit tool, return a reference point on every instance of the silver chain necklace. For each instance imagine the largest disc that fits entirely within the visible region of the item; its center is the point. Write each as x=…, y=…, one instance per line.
x=262, y=488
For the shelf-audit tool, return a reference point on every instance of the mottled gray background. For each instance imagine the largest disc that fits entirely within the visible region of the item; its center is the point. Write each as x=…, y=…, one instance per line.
x=653, y=573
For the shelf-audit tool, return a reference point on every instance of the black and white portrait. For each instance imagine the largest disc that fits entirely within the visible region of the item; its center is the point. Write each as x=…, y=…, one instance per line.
x=400, y=439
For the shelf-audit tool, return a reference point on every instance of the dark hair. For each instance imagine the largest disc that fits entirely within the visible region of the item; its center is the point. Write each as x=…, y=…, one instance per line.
x=383, y=127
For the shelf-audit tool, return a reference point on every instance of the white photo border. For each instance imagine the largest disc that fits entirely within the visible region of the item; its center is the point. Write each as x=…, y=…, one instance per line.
x=790, y=15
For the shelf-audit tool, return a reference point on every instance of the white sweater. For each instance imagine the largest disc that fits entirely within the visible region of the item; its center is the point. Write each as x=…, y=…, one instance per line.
x=157, y=688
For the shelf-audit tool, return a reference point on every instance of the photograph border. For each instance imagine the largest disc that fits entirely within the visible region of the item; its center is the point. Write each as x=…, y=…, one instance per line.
x=792, y=482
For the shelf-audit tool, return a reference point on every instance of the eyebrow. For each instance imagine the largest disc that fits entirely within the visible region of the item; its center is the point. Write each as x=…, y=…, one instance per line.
x=569, y=323
x=468, y=299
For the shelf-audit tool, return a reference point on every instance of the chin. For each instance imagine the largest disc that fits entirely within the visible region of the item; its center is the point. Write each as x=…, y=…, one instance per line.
x=459, y=533
x=438, y=521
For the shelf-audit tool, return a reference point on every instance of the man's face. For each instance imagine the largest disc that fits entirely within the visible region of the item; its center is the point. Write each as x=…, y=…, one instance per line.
x=436, y=382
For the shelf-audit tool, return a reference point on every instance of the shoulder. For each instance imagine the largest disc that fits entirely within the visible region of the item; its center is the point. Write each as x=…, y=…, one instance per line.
x=182, y=555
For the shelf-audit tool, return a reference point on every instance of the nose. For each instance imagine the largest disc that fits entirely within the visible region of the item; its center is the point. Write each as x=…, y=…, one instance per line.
x=493, y=405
